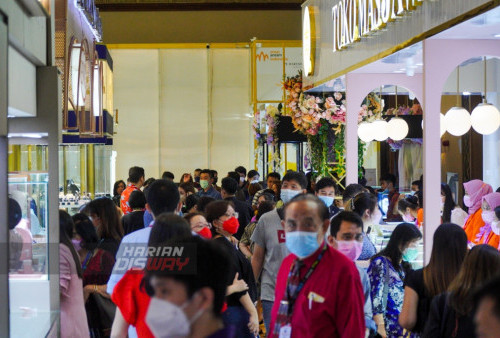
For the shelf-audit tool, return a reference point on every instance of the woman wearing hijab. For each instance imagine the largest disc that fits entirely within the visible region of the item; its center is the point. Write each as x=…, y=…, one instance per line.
x=475, y=190
x=486, y=235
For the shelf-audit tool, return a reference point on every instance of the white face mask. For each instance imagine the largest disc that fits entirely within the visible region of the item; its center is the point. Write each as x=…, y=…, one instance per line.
x=495, y=227
x=167, y=320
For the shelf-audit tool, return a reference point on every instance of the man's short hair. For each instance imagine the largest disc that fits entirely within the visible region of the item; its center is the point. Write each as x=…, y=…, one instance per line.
x=344, y=216
x=273, y=174
x=135, y=174
x=351, y=191
x=137, y=200
x=162, y=196
x=389, y=178
x=415, y=183
x=213, y=268
x=214, y=172
x=323, y=212
x=207, y=171
x=296, y=176
x=167, y=175
x=197, y=169
x=324, y=183
x=229, y=185
x=490, y=289
x=234, y=175
x=253, y=173
x=241, y=170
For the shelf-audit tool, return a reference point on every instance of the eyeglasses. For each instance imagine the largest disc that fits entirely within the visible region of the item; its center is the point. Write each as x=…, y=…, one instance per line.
x=200, y=226
x=235, y=214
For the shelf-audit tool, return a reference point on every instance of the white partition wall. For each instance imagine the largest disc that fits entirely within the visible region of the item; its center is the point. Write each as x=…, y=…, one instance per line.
x=181, y=109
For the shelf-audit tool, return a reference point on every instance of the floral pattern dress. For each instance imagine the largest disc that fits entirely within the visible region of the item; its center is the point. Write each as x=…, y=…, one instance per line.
x=377, y=271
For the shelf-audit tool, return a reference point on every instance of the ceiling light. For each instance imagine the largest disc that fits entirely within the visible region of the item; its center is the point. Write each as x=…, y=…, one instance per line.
x=397, y=129
x=457, y=121
x=379, y=129
x=365, y=133
x=497, y=35
x=466, y=93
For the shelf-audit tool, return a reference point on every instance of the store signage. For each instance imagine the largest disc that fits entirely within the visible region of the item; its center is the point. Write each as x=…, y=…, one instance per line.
x=91, y=13
x=309, y=40
x=353, y=19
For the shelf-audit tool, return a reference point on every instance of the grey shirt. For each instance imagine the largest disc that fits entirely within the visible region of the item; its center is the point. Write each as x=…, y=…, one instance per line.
x=270, y=235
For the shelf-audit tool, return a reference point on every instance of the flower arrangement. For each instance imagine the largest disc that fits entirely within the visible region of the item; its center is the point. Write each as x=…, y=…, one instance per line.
x=269, y=137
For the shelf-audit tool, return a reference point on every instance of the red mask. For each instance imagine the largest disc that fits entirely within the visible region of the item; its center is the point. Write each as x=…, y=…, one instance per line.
x=205, y=233
x=231, y=225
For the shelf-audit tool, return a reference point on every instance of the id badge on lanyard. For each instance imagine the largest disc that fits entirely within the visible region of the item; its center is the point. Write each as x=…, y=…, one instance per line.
x=285, y=331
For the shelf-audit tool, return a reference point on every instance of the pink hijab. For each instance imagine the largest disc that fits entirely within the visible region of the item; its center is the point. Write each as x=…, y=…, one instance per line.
x=477, y=189
x=493, y=200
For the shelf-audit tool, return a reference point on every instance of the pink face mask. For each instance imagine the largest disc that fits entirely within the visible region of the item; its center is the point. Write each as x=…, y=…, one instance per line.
x=408, y=218
x=467, y=201
x=488, y=216
x=351, y=249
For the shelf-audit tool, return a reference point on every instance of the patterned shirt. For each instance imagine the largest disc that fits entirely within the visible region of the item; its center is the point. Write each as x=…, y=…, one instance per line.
x=125, y=196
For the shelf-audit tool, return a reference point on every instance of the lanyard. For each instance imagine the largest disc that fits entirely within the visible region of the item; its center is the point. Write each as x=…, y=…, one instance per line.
x=87, y=260
x=291, y=298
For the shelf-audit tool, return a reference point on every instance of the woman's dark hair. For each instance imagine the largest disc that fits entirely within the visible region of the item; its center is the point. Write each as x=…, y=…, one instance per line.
x=168, y=226
x=115, y=186
x=15, y=213
x=86, y=230
x=481, y=264
x=264, y=207
x=203, y=202
x=253, y=188
x=362, y=202
x=191, y=201
x=105, y=209
x=187, y=187
x=137, y=200
x=409, y=201
x=402, y=235
x=216, y=209
x=449, y=248
x=449, y=204
x=190, y=178
x=148, y=182
x=420, y=198
x=66, y=227
x=212, y=270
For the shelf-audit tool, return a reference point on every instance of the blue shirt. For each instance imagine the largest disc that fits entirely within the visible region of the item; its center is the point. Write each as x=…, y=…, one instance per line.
x=212, y=192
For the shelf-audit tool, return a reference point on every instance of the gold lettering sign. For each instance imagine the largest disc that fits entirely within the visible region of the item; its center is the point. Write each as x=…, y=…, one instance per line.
x=353, y=19
x=309, y=40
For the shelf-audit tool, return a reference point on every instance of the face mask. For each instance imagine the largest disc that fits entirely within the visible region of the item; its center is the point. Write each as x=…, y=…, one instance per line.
x=410, y=254
x=242, y=179
x=197, y=179
x=488, y=216
x=302, y=243
x=376, y=216
x=166, y=319
x=205, y=233
x=231, y=225
x=467, y=201
x=327, y=200
x=255, y=180
x=287, y=194
x=408, y=218
x=77, y=244
x=495, y=227
x=204, y=184
x=351, y=249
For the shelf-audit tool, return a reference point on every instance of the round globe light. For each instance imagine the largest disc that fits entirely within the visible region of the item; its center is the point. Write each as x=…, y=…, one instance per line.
x=457, y=121
x=365, y=132
x=397, y=128
x=485, y=118
x=379, y=130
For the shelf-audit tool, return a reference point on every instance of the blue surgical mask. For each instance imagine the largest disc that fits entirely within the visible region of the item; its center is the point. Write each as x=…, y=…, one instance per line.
x=287, y=194
x=327, y=200
x=302, y=243
x=410, y=254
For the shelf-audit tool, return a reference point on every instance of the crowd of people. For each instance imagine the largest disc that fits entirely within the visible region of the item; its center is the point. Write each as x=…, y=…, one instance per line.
x=286, y=256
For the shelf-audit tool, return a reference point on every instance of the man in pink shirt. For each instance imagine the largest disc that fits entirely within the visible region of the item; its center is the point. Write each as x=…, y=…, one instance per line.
x=318, y=289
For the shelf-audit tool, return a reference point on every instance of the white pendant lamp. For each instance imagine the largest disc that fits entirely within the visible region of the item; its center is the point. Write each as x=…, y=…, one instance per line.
x=365, y=133
x=485, y=118
x=379, y=129
x=397, y=128
x=457, y=119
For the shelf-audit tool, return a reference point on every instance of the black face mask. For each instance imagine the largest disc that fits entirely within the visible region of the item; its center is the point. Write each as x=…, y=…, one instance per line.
x=197, y=179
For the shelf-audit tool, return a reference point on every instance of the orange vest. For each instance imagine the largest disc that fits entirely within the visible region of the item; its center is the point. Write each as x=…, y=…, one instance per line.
x=492, y=239
x=420, y=217
x=472, y=226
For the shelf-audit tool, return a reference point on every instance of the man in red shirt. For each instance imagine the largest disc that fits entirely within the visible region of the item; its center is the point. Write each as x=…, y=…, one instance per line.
x=135, y=182
x=318, y=289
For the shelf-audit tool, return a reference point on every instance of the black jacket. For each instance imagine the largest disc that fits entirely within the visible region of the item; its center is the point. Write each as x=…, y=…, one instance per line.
x=245, y=214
